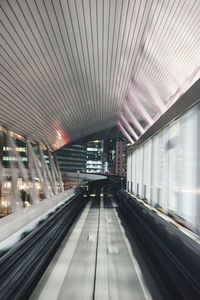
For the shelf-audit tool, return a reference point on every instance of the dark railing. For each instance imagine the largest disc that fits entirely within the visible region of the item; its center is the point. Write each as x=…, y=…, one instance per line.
x=22, y=266
x=172, y=256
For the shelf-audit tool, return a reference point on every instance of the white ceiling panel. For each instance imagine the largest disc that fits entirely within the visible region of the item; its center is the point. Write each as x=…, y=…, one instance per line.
x=72, y=68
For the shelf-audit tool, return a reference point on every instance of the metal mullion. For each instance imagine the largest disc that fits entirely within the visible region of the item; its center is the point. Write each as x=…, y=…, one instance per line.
x=25, y=48
x=162, y=28
x=6, y=116
x=74, y=61
x=177, y=48
x=17, y=74
x=21, y=111
x=161, y=23
x=155, y=75
x=80, y=65
x=130, y=57
x=45, y=116
x=27, y=71
x=17, y=97
x=98, y=67
x=139, y=66
x=184, y=59
x=129, y=30
x=108, y=34
x=120, y=75
x=122, y=95
x=111, y=56
x=75, y=107
x=16, y=126
x=66, y=80
x=84, y=19
x=102, y=66
x=84, y=60
x=67, y=34
x=177, y=45
x=113, y=103
x=92, y=40
x=166, y=32
x=57, y=97
x=52, y=47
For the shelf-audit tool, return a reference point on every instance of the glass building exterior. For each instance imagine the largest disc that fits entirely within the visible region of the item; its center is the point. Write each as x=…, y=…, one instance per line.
x=72, y=158
x=7, y=156
x=94, y=163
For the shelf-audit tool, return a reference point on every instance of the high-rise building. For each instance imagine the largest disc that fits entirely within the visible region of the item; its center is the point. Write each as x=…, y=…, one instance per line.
x=94, y=163
x=109, y=154
x=120, y=158
x=72, y=158
x=7, y=156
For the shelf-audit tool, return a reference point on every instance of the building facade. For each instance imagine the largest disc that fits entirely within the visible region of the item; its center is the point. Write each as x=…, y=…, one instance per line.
x=109, y=154
x=94, y=163
x=120, y=158
x=7, y=156
x=72, y=158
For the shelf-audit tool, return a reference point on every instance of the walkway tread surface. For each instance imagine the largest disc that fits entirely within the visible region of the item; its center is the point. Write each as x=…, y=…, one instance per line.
x=94, y=261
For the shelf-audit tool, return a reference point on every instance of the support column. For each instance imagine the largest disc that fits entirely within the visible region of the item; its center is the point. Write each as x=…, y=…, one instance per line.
x=14, y=196
x=23, y=169
x=48, y=173
x=32, y=174
x=37, y=169
x=59, y=173
x=44, y=171
x=52, y=169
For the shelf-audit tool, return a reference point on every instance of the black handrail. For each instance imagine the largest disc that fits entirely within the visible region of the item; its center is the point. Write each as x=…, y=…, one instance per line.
x=172, y=257
x=22, y=267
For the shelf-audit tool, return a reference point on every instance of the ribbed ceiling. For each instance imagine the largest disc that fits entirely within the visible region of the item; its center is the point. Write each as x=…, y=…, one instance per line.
x=73, y=68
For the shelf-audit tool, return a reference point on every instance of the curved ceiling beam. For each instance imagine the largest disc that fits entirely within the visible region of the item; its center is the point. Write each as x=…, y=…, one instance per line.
x=149, y=91
x=128, y=113
x=128, y=127
x=66, y=69
x=134, y=102
x=125, y=133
